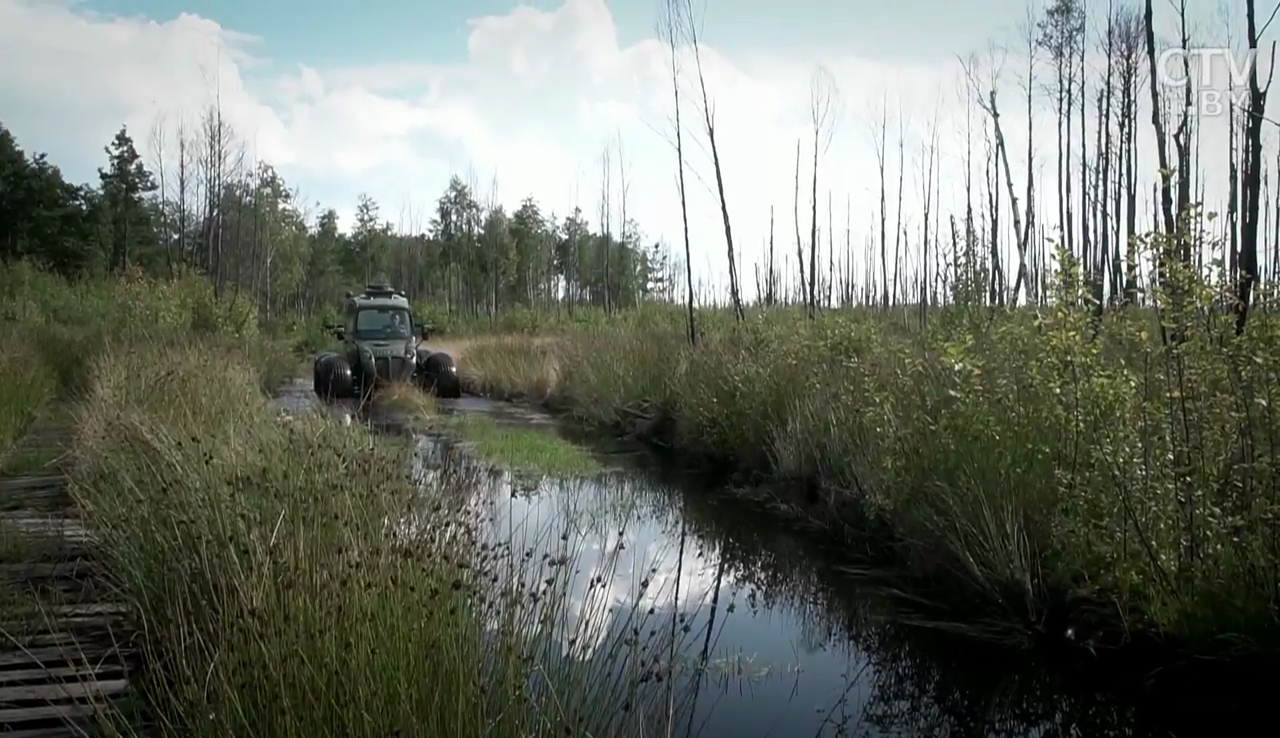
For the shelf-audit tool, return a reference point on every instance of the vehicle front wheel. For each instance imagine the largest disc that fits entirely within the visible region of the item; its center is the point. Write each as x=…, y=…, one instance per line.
x=332, y=377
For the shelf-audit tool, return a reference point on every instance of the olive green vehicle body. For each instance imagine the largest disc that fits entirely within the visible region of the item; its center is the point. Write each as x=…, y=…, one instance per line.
x=381, y=345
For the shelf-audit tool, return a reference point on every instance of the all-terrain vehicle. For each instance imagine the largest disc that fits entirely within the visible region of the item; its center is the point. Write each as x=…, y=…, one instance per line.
x=380, y=345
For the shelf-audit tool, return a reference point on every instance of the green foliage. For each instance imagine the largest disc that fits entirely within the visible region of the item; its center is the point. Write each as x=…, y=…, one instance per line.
x=52, y=327
x=41, y=216
x=472, y=265
x=125, y=183
x=27, y=386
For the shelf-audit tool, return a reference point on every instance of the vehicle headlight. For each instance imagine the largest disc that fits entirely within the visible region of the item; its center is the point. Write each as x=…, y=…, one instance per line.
x=410, y=351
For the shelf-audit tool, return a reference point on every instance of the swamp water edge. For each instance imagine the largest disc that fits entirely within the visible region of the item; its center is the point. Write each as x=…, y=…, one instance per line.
x=771, y=636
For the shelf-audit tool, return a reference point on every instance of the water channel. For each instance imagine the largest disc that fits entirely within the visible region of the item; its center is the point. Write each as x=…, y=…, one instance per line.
x=791, y=643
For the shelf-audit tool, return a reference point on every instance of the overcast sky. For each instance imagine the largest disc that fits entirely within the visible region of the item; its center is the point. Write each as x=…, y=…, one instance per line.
x=390, y=97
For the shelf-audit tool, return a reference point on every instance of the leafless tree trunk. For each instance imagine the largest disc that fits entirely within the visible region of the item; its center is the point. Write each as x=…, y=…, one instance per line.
x=996, y=290
x=1086, y=248
x=1252, y=175
x=624, y=192
x=831, y=249
x=1157, y=121
x=1022, y=231
x=1103, y=180
x=900, y=227
x=822, y=92
x=926, y=171
x=669, y=30
x=606, y=224
x=880, y=157
x=770, y=294
x=799, y=244
x=708, y=118
x=158, y=143
x=1129, y=45
x=1233, y=191
x=993, y=111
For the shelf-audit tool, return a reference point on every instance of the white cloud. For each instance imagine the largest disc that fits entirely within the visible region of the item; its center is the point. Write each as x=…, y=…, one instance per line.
x=534, y=105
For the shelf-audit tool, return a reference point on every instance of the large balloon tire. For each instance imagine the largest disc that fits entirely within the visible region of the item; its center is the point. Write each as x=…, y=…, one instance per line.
x=333, y=378
x=449, y=387
x=439, y=375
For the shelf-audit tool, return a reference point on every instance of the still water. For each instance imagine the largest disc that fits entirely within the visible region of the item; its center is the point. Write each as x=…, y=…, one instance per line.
x=784, y=641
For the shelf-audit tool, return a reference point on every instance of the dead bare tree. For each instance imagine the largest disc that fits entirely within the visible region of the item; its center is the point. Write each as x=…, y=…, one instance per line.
x=795, y=207
x=1157, y=121
x=822, y=99
x=900, y=226
x=626, y=234
x=992, y=109
x=1081, y=47
x=1056, y=38
x=669, y=29
x=1023, y=234
x=1253, y=170
x=1129, y=49
x=770, y=287
x=158, y=144
x=831, y=250
x=1103, y=180
x=929, y=150
x=606, y=221
x=709, y=126
x=880, y=142
x=184, y=185
x=996, y=289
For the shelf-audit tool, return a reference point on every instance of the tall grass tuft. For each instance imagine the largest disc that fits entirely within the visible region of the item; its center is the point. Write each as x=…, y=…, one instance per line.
x=292, y=577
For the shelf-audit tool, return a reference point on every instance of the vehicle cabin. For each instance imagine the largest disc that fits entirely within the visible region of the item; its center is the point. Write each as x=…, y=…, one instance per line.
x=381, y=313
x=379, y=323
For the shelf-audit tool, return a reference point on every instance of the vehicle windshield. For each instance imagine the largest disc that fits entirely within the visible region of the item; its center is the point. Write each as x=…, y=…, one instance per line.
x=383, y=323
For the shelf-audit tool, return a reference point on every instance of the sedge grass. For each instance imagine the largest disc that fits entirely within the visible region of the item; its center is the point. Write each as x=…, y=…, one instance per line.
x=283, y=592
x=1019, y=461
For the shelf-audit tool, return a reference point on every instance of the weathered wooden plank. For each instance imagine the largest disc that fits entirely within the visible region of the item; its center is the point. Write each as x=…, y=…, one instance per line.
x=57, y=655
x=43, y=481
x=72, y=568
x=32, y=520
x=54, y=549
x=62, y=731
x=53, y=631
x=28, y=492
x=92, y=608
x=66, y=691
x=19, y=715
x=60, y=673
x=42, y=639
x=80, y=623
x=42, y=500
x=42, y=533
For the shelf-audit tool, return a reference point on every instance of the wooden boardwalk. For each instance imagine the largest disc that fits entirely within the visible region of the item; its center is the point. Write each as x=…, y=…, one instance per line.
x=66, y=648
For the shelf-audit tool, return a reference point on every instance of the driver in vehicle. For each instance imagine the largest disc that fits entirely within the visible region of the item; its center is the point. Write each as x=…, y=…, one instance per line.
x=398, y=328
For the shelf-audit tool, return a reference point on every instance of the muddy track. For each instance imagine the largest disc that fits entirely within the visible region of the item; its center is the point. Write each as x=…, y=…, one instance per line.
x=67, y=649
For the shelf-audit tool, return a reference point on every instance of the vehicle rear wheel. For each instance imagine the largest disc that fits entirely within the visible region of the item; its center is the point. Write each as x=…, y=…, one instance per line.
x=438, y=374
